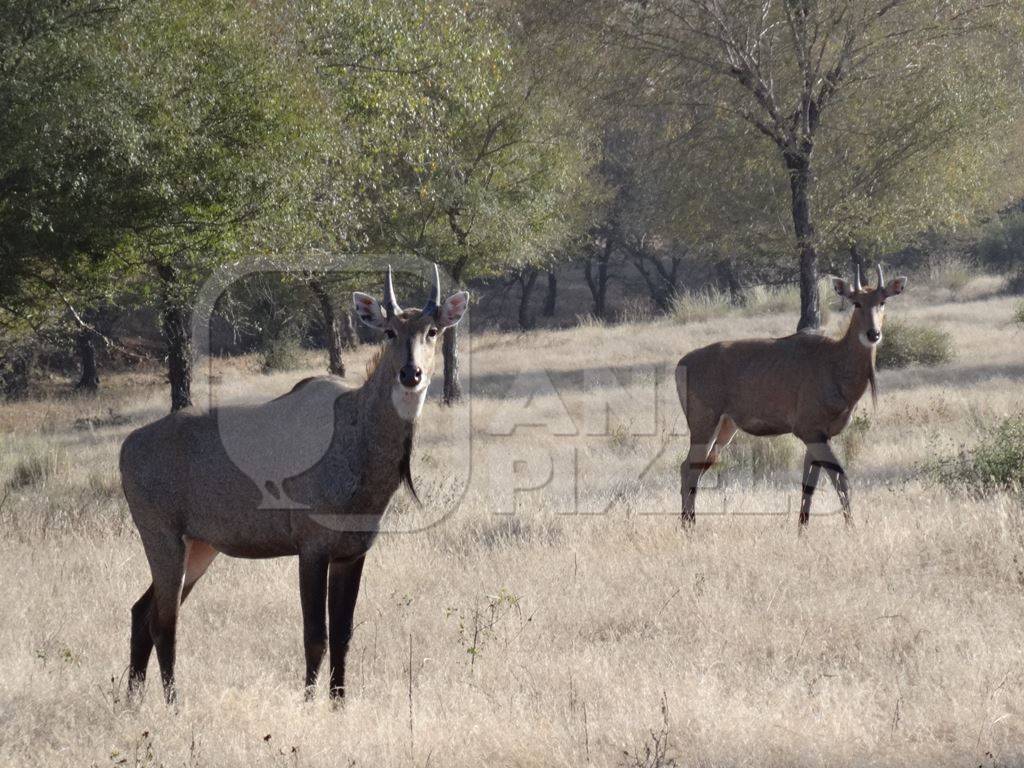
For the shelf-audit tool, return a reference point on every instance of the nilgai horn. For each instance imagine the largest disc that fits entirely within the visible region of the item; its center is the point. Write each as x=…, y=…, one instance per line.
x=190, y=500
x=805, y=384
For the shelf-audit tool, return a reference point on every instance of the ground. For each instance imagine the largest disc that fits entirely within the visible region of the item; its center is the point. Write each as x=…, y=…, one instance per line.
x=573, y=624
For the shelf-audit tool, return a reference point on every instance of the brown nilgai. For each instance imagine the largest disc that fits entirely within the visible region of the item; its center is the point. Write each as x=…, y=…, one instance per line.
x=190, y=485
x=805, y=384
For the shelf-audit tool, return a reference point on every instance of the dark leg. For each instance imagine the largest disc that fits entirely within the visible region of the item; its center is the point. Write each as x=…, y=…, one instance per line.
x=823, y=456
x=168, y=566
x=343, y=589
x=704, y=452
x=313, y=594
x=198, y=559
x=811, y=474
x=141, y=643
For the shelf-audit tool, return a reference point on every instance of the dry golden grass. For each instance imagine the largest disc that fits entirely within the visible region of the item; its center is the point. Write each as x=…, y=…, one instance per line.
x=545, y=637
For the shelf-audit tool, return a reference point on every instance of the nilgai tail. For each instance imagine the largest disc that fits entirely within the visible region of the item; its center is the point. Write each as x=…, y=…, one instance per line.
x=308, y=474
x=805, y=384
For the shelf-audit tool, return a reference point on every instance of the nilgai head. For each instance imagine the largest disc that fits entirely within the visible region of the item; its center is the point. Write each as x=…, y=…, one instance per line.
x=413, y=337
x=869, y=303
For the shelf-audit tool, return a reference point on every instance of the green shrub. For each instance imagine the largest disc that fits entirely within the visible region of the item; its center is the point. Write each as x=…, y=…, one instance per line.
x=904, y=344
x=1002, y=247
x=281, y=354
x=1018, y=314
x=997, y=461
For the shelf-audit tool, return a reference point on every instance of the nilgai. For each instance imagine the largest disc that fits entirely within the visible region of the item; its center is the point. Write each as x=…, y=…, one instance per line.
x=190, y=500
x=805, y=384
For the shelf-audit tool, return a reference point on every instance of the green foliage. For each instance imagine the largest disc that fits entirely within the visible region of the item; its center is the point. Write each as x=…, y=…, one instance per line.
x=905, y=344
x=1002, y=246
x=996, y=462
x=62, y=198
x=1018, y=314
x=281, y=353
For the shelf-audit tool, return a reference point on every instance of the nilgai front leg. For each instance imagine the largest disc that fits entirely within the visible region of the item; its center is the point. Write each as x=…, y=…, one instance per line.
x=313, y=595
x=342, y=591
x=821, y=456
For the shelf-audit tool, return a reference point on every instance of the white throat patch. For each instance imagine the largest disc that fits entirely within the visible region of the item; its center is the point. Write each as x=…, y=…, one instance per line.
x=409, y=402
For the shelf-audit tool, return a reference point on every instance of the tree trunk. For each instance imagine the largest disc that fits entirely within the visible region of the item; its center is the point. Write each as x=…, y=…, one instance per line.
x=332, y=328
x=450, y=348
x=799, y=167
x=176, y=331
x=551, y=297
x=179, y=356
x=726, y=269
x=349, y=339
x=528, y=279
x=598, y=281
x=857, y=262
x=85, y=348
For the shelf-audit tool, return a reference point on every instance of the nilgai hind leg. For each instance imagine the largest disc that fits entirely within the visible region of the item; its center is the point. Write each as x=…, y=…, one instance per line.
x=705, y=449
x=820, y=456
x=198, y=556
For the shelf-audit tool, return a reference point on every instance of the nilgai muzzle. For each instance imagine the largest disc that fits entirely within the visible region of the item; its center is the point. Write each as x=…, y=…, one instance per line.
x=191, y=500
x=805, y=384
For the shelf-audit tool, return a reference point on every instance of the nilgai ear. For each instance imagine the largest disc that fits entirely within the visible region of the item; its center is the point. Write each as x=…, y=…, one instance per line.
x=842, y=287
x=454, y=307
x=896, y=287
x=369, y=310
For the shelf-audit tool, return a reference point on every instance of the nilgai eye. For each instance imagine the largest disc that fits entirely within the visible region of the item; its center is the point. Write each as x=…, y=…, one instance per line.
x=881, y=303
x=390, y=333
x=432, y=333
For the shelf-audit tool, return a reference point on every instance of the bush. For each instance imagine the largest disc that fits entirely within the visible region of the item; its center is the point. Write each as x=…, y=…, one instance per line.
x=282, y=353
x=904, y=344
x=1002, y=246
x=998, y=460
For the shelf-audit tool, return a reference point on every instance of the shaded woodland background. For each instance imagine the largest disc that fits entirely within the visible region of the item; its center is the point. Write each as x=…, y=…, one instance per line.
x=568, y=160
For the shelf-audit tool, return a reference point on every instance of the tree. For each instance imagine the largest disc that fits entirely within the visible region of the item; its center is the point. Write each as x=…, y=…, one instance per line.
x=793, y=85
x=63, y=202
x=207, y=109
x=479, y=167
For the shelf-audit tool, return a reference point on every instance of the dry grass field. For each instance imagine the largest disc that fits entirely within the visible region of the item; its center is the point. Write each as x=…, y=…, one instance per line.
x=571, y=624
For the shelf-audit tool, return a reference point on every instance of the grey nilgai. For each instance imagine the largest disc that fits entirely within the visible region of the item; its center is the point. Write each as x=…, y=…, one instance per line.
x=805, y=384
x=192, y=493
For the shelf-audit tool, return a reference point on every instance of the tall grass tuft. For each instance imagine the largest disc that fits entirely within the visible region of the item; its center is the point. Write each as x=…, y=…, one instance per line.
x=904, y=344
x=1018, y=314
x=700, y=306
x=34, y=470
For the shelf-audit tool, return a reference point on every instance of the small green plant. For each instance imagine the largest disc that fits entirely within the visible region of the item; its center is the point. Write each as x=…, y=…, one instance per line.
x=904, y=344
x=996, y=462
x=1018, y=314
